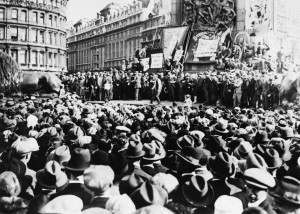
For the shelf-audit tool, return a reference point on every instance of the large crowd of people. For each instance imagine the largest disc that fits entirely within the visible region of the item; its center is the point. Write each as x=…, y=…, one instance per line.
x=65, y=155
x=231, y=89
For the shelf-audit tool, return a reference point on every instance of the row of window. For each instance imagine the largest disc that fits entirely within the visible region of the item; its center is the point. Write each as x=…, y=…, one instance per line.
x=37, y=58
x=35, y=35
x=124, y=22
x=101, y=39
x=120, y=49
x=33, y=17
x=115, y=25
x=54, y=3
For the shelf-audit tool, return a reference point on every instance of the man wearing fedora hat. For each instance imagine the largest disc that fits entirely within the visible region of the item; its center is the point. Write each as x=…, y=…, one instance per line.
x=151, y=162
x=196, y=192
x=134, y=153
x=80, y=161
x=50, y=181
x=224, y=167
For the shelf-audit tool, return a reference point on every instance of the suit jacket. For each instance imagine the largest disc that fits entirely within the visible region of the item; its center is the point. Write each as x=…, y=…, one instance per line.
x=79, y=190
x=154, y=169
x=98, y=201
x=266, y=204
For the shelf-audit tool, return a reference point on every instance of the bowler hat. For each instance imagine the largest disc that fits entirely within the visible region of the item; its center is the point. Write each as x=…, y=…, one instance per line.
x=80, y=160
x=100, y=157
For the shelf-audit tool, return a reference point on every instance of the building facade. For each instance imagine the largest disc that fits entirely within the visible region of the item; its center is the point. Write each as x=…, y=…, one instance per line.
x=33, y=33
x=117, y=32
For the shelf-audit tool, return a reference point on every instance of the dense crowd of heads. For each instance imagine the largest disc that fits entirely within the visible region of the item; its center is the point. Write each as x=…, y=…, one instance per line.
x=65, y=156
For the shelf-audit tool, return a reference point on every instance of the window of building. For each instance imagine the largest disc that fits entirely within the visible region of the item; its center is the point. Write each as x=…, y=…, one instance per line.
x=14, y=14
x=50, y=38
x=2, y=32
x=2, y=13
x=55, y=21
x=23, y=57
x=14, y=33
x=113, y=50
x=42, y=18
x=61, y=39
x=22, y=34
x=42, y=37
x=55, y=59
x=34, y=17
x=117, y=50
x=42, y=59
x=23, y=17
x=55, y=39
x=50, y=59
x=34, y=35
x=109, y=51
x=14, y=54
x=34, y=58
x=50, y=20
x=121, y=49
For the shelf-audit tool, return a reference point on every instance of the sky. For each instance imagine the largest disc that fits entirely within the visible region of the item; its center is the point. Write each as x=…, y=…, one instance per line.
x=79, y=9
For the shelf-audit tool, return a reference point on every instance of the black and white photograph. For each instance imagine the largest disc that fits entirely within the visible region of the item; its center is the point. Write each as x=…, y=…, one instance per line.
x=149, y=106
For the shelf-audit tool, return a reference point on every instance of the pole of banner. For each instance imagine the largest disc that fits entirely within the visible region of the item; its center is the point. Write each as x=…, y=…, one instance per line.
x=187, y=44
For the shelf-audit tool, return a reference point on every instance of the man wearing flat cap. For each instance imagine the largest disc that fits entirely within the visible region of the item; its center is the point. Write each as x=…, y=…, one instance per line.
x=22, y=149
x=99, y=179
x=258, y=181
